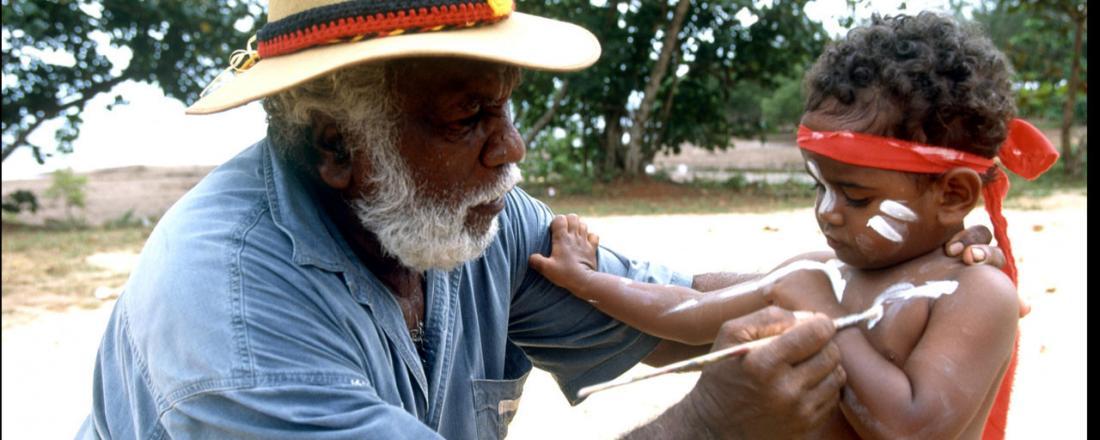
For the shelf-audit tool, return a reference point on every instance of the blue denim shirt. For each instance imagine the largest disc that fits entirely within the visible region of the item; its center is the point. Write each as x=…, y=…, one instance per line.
x=248, y=316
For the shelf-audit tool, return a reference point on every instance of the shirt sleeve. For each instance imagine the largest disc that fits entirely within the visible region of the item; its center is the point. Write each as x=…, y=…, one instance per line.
x=566, y=336
x=292, y=409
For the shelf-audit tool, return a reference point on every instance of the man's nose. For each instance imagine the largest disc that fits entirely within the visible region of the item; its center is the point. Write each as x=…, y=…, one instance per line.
x=504, y=145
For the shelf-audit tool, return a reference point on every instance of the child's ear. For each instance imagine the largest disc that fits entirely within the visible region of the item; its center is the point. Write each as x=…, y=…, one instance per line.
x=957, y=192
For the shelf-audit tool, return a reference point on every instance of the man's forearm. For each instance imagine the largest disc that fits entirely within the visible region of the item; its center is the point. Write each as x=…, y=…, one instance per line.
x=680, y=421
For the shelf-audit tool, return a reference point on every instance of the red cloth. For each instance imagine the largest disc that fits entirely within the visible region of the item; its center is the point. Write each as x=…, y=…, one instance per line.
x=1026, y=152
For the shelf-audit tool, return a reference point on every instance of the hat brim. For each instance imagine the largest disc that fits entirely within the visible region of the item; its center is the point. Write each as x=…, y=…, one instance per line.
x=523, y=40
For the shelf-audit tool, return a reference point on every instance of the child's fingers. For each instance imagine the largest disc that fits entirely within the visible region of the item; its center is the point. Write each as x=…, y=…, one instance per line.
x=558, y=225
x=573, y=222
x=538, y=262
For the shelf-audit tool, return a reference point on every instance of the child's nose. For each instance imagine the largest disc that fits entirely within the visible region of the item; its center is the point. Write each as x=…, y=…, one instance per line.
x=831, y=217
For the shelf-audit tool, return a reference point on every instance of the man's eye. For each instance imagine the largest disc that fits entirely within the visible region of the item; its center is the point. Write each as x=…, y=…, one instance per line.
x=465, y=124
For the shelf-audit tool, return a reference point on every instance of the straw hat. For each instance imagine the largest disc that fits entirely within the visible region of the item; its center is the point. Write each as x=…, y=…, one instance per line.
x=305, y=39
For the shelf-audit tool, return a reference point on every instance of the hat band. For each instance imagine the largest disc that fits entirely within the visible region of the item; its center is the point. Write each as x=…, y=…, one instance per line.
x=365, y=19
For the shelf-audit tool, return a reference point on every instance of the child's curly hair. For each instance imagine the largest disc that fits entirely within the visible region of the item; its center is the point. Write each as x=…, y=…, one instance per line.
x=945, y=82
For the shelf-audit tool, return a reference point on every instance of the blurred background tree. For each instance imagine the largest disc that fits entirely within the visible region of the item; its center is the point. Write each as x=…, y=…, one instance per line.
x=673, y=72
x=1047, y=42
x=670, y=73
x=55, y=56
x=67, y=188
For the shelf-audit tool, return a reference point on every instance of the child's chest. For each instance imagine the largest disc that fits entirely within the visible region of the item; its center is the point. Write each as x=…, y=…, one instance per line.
x=896, y=334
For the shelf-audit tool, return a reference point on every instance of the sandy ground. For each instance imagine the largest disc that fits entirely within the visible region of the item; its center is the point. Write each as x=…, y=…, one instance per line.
x=47, y=362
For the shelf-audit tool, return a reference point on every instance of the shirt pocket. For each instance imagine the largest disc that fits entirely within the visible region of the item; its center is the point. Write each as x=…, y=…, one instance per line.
x=495, y=403
x=496, y=400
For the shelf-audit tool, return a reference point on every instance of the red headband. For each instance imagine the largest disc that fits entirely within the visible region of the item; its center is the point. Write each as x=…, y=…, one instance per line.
x=1026, y=152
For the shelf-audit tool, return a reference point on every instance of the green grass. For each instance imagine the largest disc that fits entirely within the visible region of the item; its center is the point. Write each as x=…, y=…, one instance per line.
x=46, y=269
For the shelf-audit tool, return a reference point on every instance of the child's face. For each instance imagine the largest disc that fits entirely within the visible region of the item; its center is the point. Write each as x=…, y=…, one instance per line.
x=873, y=218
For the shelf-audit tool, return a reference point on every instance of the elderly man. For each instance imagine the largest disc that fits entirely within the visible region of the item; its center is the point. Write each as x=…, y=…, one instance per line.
x=362, y=272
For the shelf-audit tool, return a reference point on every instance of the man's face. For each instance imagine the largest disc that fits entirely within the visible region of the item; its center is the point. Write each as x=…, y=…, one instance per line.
x=455, y=131
x=432, y=194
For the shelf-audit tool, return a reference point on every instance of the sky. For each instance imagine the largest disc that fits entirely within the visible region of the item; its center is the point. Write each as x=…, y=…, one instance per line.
x=152, y=130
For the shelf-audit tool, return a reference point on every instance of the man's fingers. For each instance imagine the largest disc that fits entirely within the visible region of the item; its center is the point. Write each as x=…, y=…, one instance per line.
x=970, y=236
x=825, y=396
x=984, y=254
x=766, y=322
x=819, y=366
x=796, y=345
x=593, y=239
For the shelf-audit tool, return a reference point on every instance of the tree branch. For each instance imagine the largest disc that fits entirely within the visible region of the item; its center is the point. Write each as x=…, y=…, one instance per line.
x=672, y=33
x=56, y=109
x=548, y=115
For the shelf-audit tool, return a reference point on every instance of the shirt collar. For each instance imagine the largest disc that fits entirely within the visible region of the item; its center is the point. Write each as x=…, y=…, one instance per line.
x=294, y=209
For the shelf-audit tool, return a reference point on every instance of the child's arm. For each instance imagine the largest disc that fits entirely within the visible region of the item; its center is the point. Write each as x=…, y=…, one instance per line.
x=952, y=372
x=651, y=308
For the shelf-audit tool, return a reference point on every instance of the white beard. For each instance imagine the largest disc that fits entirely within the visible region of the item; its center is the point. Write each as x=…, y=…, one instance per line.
x=420, y=232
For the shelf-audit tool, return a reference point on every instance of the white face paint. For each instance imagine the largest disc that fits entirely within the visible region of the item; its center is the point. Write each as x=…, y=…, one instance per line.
x=884, y=229
x=906, y=291
x=897, y=210
x=829, y=199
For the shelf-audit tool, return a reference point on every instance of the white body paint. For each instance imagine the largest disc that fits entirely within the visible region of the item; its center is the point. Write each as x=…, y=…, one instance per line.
x=906, y=291
x=830, y=268
x=897, y=210
x=879, y=224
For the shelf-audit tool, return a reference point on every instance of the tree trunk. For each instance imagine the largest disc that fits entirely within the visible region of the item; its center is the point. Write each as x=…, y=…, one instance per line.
x=612, y=142
x=548, y=116
x=634, y=155
x=1069, y=155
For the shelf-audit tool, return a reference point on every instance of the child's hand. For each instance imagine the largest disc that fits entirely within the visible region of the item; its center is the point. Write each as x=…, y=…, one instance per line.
x=572, y=253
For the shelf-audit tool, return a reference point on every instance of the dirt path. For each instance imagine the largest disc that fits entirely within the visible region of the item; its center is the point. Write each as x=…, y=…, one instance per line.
x=47, y=362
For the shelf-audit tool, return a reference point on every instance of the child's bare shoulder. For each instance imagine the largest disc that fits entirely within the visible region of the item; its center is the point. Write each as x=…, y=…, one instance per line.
x=986, y=285
x=819, y=256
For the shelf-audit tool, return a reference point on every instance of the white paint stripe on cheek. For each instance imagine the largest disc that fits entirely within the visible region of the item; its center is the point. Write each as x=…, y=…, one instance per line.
x=884, y=229
x=829, y=199
x=897, y=210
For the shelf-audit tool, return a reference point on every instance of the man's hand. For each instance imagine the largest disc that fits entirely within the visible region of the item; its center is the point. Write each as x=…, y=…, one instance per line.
x=972, y=247
x=785, y=389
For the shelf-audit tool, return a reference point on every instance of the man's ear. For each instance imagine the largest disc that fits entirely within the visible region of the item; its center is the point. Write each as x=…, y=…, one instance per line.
x=334, y=165
x=957, y=192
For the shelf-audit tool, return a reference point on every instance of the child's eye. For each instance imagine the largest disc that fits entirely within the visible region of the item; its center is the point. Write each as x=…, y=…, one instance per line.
x=857, y=203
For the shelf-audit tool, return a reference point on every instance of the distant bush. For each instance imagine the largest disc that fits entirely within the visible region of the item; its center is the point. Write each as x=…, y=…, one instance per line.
x=20, y=201
x=68, y=187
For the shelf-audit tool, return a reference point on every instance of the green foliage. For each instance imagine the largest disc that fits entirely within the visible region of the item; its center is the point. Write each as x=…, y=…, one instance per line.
x=20, y=201
x=783, y=109
x=68, y=187
x=1037, y=37
x=711, y=93
x=177, y=45
x=126, y=220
